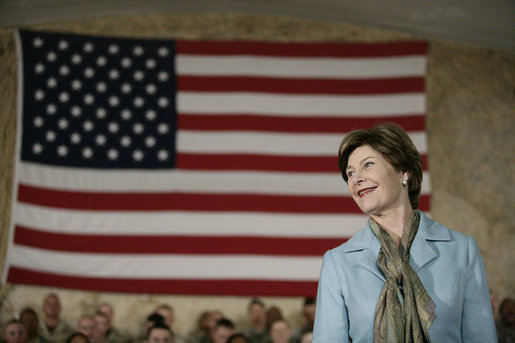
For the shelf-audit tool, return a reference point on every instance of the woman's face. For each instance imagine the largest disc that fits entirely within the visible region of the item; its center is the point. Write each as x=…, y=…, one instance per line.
x=374, y=184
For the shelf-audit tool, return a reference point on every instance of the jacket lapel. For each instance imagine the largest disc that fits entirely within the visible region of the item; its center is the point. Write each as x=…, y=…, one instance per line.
x=369, y=260
x=366, y=241
x=422, y=250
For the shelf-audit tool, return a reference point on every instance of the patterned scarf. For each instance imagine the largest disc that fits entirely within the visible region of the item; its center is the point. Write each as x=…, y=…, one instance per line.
x=404, y=310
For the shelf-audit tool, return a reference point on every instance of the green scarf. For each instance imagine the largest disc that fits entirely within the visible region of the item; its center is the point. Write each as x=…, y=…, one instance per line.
x=404, y=310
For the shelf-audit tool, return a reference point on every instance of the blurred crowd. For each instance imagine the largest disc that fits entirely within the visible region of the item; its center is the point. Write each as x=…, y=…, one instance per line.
x=264, y=325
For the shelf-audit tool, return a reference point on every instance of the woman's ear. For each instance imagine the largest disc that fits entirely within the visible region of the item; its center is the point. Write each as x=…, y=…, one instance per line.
x=406, y=176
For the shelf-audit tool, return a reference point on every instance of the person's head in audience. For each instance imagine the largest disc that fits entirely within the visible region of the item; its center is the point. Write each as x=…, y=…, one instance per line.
x=223, y=330
x=14, y=332
x=203, y=324
x=217, y=315
x=77, y=337
x=168, y=314
x=108, y=311
x=307, y=337
x=102, y=323
x=87, y=326
x=206, y=324
x=238, y=338
x=280, y=331
x=272, y=314
x=153, y=319
x=257, y=314
x=159, y=333
x=507, y=312
x=30, y=320
x=309, y=311
x=52, y=307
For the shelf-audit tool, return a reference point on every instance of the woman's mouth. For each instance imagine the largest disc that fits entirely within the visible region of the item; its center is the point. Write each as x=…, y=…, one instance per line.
x=362, y=192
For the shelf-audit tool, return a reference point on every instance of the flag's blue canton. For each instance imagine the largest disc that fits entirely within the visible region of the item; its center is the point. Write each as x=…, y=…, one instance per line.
x=98, y=102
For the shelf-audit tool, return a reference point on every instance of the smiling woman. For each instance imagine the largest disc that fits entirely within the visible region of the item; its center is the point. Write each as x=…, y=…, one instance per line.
x=404, y=277
x=376, y=186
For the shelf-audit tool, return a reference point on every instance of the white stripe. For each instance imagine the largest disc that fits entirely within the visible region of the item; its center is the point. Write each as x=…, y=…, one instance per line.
x=300, y=67
x=184, y=223
x=267, y=143
x=164, y=266
x=301, y=105
x=258, y=143
x=181, y=181
x=102, y=180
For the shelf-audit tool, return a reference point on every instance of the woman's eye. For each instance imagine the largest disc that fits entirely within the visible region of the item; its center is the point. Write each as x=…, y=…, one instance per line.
x=368, y=164
x=349, y=174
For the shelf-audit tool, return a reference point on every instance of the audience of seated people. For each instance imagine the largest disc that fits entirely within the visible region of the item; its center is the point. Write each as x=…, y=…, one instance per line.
x=264, y=325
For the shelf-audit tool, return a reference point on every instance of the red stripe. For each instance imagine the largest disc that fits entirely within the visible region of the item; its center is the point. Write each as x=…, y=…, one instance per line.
x=185, y=201
x=425, y=166
x=311, y=164
x=256, y=162
x=249, y=122
x=165, y=286
x=140, y=244
x=282, y=49
x=189, y=202
x=300, y=86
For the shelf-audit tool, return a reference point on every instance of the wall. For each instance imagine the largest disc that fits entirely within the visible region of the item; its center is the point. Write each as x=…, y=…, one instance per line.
x=470, y=124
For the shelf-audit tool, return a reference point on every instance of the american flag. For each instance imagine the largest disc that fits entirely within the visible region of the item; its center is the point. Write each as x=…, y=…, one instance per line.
x=195, y=167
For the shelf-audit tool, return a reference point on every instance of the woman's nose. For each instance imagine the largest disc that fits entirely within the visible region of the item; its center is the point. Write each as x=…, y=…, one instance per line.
x=358, y=178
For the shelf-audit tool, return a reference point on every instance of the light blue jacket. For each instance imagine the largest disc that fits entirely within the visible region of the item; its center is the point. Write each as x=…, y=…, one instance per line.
x=447, y=262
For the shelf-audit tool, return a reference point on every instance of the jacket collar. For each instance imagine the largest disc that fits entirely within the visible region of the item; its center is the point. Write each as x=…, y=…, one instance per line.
x=422, y=251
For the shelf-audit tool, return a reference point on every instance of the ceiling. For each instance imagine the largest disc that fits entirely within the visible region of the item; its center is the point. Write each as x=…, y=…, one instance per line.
x=488, y=23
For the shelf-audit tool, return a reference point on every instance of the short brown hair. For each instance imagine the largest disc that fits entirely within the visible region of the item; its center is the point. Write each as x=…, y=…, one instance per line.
x=397, y=148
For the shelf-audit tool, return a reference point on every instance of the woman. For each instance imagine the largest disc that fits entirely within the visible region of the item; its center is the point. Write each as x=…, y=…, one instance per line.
x=403, y=277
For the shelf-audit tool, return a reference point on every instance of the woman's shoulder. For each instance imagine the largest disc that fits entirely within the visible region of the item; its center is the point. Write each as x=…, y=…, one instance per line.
x=433, y=230
x=361, y=240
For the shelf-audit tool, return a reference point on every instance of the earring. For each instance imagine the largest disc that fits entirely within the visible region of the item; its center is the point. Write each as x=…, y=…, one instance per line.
x=404, y=183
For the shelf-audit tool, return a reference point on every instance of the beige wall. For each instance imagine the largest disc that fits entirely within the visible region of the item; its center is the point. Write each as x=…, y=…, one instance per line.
x=470, y=125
